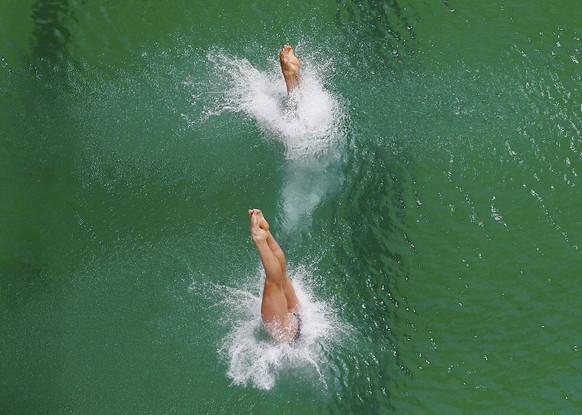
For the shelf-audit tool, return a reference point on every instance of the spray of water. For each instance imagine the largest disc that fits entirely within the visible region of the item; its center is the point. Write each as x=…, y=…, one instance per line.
x=253, y=359
x=309, y=123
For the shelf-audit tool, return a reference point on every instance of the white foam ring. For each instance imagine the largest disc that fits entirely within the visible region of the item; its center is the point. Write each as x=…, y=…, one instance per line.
x=254, y=360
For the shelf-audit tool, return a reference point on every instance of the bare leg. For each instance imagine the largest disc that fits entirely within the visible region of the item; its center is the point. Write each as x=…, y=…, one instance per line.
x=290, y=65
x=292, y=300
x=279, y=298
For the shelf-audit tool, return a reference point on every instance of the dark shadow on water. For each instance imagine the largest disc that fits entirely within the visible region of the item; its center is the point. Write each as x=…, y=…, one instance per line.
x=372, y=253
x=50, y=36
x=40, y=140
x=379, y=35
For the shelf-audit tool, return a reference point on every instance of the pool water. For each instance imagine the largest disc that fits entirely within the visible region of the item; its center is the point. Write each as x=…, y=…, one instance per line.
x=425, y=188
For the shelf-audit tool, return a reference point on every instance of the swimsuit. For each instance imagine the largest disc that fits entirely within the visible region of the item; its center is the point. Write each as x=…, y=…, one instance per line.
x=298, y=332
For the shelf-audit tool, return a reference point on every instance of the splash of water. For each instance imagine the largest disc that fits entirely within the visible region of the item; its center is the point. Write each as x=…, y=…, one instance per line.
x=309, y=123
x=253, y=359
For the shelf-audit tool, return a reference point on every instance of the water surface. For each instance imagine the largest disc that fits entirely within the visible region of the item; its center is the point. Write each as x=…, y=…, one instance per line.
x=426, y=196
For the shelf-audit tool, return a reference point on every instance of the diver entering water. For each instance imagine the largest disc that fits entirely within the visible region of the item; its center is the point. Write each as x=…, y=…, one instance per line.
x=280, y=308
x=290, y=65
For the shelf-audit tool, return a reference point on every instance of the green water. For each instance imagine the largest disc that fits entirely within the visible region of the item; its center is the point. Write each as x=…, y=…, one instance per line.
x=441, y=239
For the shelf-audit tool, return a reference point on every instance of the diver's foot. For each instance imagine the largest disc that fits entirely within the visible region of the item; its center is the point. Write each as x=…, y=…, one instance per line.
x=290, y=65
x=259, y=225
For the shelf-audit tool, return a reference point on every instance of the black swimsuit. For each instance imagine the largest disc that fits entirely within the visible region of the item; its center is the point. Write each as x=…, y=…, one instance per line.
x=298, y=332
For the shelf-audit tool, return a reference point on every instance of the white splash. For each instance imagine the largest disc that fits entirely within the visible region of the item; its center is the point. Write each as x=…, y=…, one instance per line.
x=254, y=360
x=308, y=123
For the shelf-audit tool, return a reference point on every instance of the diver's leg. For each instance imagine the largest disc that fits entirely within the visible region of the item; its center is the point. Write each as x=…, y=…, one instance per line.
x=280, y=323
x=290, y=65
x=292, y=300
